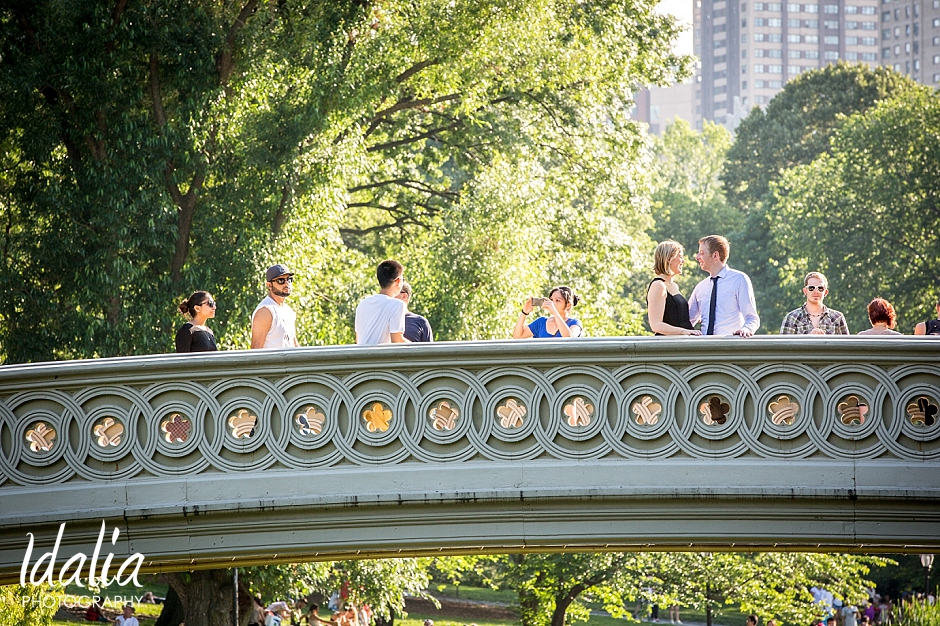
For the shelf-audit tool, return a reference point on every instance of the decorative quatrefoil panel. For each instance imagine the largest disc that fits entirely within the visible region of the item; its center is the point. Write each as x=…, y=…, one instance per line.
x=377, y=418
x=511, y=414
x=714, y=411
x=40, y=437
x=852, y=410
x=108, y=432
x=176, y=428
x=242, y=424
x=922, y=412
x=443, y=416
x=647, y=411
x=783, y=410
x=310, y=421
x=578, y=412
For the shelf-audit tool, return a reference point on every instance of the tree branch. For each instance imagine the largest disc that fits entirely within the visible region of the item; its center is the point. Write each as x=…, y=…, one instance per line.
x=406, y=141
x=156, y=98
x=225, y=62
x=403, y=105
x=414, y=69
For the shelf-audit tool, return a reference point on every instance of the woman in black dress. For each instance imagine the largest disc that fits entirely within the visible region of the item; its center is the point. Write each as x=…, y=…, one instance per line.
x=195, y=336
x=668, y=309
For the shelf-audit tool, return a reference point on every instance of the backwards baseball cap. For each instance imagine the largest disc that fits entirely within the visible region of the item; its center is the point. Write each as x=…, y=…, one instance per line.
x=277, y=270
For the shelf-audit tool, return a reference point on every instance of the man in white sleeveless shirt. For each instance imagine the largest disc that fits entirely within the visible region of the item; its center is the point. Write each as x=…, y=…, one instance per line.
x=273, y=321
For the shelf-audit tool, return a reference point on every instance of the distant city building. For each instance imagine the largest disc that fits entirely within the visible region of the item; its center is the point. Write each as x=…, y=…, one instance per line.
x=749, y=50
x=660, y=106
x=910, y=38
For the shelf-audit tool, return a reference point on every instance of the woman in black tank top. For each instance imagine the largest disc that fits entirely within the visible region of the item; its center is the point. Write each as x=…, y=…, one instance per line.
x=194, y=335
x=668, y=310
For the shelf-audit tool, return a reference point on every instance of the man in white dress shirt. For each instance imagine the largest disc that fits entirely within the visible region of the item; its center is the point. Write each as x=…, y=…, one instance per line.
x=723, y=302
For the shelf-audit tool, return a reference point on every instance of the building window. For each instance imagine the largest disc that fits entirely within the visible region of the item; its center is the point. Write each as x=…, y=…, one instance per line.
x=774, y=37
x=936, y=22
x=832, y=40
x=897, y=32
x=759, y=69
x=897, y=50
x=897, y=67
x=851, y=56
x=743, y=85
x=831, y=55
x=744, y=7
x=907, y=30
x=758, y=36
x=869, y=56
x=758, y=6
x=936, y=41
x=744, y=23
x=886, y=17
x=743, y=38
x=916, y=11
x=793, y=39
x=758, y=21
x=760, y=99
x=831, y=24
x=719, y=43
x=758, y=84
x=775, y=22
x=936, y=78
x=851, y=41
x=792, y=23
x=869, y=41
x=869, y=26
x=851, y=10
x=907, y=47
x=886, y=52
x=851, y=26
x=811, y=54
x=719, y=13
x=775, y=84
x=760, y=53
x=793, y=70
x=792, y=7
x=811, y=39
x=831, y=8
x=907, y=11
x=775, y=53
x=814, y=8
x=868, y=10
x=916, y=65
x=793, y=54
x=810, y=23
x=775, y=69
x=744, y=53
x=774, y=6
x=916, y=28
x=886, y=34
x=936, y=59
x=916, y=47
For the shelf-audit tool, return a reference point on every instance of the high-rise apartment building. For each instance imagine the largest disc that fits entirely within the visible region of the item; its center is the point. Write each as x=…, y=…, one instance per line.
x=910, y=38
x=748, y=50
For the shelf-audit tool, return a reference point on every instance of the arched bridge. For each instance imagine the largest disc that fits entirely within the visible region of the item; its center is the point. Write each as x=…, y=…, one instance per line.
x=620, y=443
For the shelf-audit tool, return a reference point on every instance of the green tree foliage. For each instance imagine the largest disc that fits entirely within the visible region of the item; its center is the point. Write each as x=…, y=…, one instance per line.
x=795, y=128
x=27, y=606
x=689, y=199
x=866, y=214
x=150, y=149
x=771, y=585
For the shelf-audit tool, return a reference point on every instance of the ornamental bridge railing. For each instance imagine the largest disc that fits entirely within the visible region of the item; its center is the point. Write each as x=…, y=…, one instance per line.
x=618, y=443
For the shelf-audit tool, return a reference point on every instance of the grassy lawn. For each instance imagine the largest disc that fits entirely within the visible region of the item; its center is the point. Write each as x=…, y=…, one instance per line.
x=477, y=594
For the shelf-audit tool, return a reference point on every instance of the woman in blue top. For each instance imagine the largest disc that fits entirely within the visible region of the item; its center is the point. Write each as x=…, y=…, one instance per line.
x=558, y=324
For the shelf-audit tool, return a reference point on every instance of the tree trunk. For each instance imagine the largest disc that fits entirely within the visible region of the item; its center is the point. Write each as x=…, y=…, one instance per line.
x=172, y=612
x=206, y=596
x=561, y=609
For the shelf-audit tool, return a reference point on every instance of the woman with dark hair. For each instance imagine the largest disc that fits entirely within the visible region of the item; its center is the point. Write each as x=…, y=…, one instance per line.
x=882, y=317
x=558, y=324
x=195, y=336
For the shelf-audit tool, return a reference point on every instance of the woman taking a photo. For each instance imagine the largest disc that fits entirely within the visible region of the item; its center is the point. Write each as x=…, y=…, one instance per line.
x=668, y=309
x=195, y=336
x=558, y=324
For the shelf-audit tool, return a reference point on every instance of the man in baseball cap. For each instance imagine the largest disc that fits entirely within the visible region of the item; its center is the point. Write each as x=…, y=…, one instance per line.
x=273, y=323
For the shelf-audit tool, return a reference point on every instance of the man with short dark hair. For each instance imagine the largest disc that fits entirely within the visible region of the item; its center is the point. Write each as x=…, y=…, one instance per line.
x=724, y=302
x=417, y=327
x=380, y=318
x=273, y=323
x=814, y=317
x=752, y=620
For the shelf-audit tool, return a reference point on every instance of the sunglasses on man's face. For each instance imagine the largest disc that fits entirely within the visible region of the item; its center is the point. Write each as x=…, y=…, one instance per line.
x=283, y=280
x=819, y=288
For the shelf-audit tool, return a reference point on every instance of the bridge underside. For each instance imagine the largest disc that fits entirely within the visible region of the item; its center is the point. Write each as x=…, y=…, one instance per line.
x=220, y=521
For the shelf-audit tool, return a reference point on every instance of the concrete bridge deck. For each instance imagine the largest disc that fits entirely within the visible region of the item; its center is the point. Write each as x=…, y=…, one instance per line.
x=619, y=443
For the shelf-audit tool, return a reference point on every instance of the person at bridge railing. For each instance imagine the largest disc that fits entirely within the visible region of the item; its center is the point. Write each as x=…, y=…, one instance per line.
x=417, y=327
x=882, y=317
x=667, y=308
x=814, y=317
x=380, y=318
x=724, y=302
x=273, y=322
x=930, y=327
x=557, y=324
x=194, y=335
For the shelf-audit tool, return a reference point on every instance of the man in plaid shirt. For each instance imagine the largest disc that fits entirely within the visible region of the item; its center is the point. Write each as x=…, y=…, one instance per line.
x=814, y=317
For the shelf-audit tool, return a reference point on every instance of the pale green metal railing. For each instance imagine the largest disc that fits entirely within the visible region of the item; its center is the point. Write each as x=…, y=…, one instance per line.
x=622, y=443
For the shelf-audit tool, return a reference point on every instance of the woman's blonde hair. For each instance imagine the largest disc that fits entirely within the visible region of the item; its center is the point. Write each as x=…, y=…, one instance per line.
x=665, y=252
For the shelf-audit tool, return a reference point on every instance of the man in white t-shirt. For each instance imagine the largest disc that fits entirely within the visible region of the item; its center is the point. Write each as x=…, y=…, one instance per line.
x=273, y=323
x=380, y=318
x=127, y=619
x=849, y=615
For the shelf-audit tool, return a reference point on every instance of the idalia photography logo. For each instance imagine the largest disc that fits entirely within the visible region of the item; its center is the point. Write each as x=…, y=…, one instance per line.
x=72, y=570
